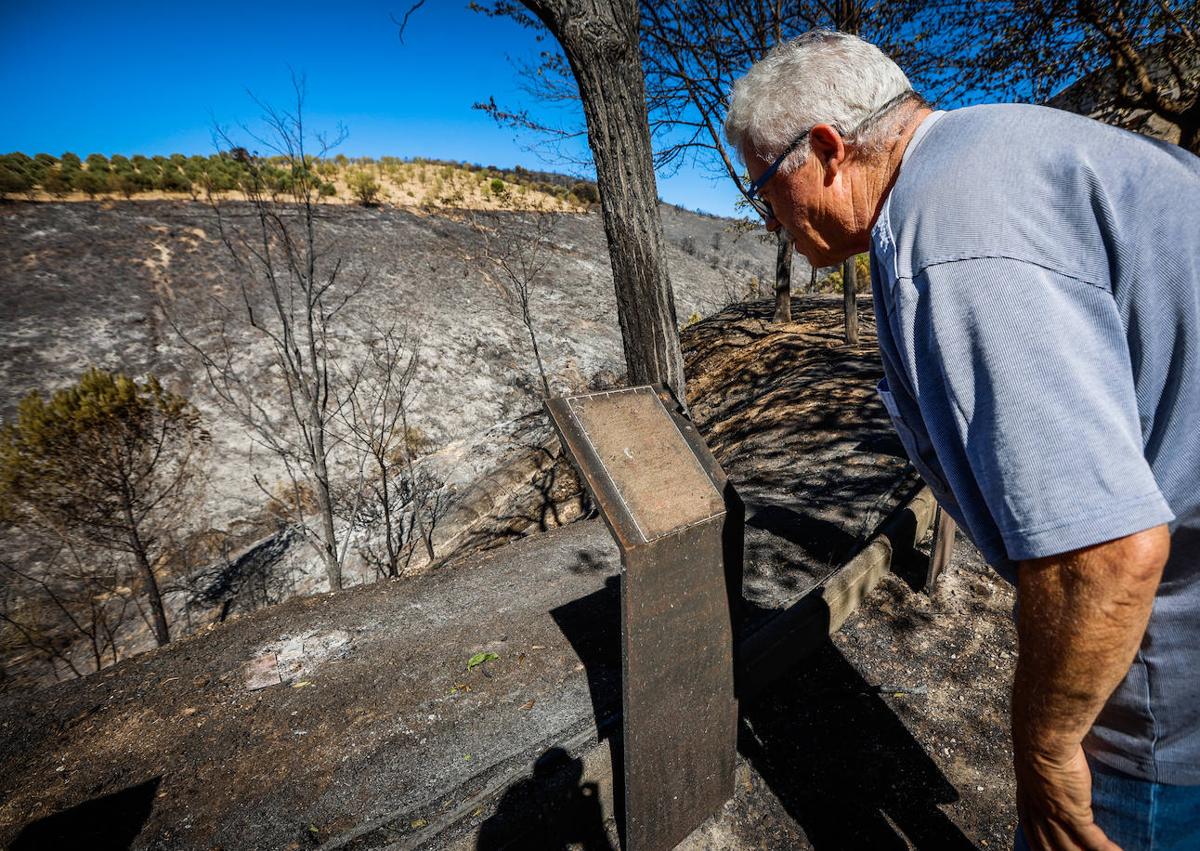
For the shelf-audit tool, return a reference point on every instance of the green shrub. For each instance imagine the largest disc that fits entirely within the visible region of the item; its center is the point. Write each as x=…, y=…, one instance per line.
x=40, y=166
x=20, y=162
x=223, y=178
x=13, y=181
x=173, y=180
x=56, y=182
x=832, y=283
x=586, y=192
x=152, y=172
x=126, y=182
x=91, y=183
x=364, y=187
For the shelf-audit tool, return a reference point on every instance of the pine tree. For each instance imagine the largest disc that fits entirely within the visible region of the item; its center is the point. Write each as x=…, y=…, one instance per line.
x=109, y=462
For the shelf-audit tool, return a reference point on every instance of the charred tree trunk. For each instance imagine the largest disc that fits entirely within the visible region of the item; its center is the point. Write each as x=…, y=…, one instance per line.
x=600, y=41
x=850, y=303
x=783, y=279
x=158, y=612
x=392, y=567
x=162, y=635
x=427, y=537
x=328, y=544
x=527, y=317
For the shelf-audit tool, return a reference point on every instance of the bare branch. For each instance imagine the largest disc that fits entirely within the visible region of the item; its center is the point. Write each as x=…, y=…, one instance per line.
x=403, y=24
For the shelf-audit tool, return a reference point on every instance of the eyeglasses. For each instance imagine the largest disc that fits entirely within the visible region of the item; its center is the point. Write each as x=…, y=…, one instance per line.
x=761, y=205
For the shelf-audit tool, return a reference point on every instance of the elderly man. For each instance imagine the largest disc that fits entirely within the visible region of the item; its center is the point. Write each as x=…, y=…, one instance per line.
x=1036, y=282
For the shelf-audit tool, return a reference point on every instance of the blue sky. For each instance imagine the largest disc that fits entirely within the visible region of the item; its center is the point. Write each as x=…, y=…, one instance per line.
x=151, y=78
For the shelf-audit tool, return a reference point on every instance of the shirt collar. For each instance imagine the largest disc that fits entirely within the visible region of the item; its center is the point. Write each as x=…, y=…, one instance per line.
x=925, y=126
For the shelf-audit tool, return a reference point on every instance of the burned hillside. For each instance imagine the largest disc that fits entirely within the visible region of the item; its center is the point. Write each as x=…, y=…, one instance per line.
x=106, y=283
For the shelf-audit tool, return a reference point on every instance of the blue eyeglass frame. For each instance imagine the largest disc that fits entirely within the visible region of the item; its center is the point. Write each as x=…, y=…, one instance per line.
x=762, y=205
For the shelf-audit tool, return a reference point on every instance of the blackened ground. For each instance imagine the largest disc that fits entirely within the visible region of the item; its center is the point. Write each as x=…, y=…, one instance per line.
x=374, y=732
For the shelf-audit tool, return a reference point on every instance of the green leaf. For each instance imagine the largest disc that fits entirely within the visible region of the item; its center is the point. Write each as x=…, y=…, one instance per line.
x=479, y=658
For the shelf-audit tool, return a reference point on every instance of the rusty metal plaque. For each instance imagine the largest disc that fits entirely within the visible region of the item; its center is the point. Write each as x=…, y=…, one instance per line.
x=679, y=526
x=640, y=448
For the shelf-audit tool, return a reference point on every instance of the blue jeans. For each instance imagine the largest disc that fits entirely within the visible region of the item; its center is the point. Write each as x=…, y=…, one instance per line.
x=1139, y=815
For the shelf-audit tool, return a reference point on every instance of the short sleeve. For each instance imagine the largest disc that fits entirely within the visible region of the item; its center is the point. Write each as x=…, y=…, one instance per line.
x=1024, y=382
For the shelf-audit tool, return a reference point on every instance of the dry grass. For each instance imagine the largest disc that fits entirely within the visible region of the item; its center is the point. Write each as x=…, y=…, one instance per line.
x=414, y=186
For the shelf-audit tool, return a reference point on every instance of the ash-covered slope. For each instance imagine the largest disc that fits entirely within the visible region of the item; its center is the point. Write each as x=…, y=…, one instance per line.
x=81, y=284
x=93, y=283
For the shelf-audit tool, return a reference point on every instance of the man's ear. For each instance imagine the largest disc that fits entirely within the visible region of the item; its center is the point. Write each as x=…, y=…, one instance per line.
x=829, y=148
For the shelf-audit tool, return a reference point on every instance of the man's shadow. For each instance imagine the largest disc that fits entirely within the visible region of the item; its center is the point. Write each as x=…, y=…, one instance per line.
x=548, y=811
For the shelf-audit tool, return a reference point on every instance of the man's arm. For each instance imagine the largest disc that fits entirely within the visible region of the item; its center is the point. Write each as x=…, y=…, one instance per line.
x=1081, y=619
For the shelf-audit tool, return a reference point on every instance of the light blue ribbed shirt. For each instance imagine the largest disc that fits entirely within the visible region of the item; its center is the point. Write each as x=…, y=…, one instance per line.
x=1036, y=278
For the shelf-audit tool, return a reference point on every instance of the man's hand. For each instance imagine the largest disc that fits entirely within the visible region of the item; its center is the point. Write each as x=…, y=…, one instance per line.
x=1054, y=797
x=1081, y=616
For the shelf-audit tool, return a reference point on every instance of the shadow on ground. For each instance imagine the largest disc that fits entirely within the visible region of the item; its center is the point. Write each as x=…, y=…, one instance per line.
x=108, y=823
x=792, y=415
x=553, y=809
x=843, y=767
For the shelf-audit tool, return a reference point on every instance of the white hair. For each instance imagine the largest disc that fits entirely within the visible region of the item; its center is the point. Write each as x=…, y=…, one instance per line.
x=821, y=77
